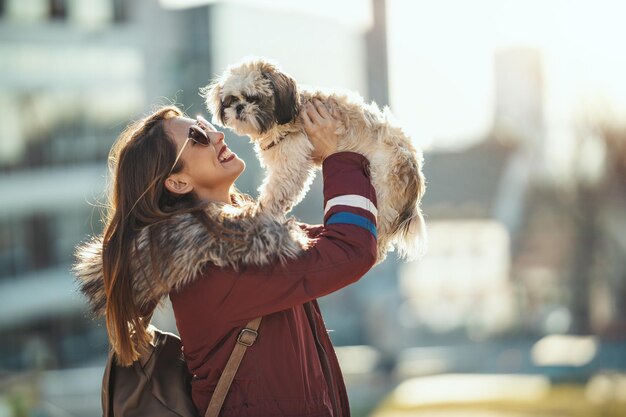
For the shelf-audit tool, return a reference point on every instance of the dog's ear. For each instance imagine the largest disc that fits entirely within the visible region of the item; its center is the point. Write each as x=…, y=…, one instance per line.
x=286, y=96
x=212, y=95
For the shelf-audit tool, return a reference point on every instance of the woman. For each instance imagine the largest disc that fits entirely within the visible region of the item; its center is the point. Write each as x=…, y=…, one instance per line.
x=178, y=226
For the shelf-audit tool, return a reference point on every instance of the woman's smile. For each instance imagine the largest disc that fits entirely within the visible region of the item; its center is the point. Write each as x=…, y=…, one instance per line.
x=225, y=155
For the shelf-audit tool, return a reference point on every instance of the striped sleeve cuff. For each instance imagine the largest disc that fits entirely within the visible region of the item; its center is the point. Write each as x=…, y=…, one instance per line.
x=346, y=217
x=349, y=197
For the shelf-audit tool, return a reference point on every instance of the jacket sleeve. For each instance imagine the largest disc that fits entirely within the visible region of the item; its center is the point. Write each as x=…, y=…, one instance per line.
x=344, y=248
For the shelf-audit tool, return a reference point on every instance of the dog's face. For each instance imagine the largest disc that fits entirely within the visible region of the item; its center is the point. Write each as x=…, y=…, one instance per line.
x=252, y=97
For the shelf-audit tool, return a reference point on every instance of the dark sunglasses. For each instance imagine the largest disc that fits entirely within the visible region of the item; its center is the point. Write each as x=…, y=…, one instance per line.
x=201, y=135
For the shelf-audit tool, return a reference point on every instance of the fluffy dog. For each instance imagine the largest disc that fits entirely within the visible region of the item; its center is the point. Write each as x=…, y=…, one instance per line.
x=255, y=98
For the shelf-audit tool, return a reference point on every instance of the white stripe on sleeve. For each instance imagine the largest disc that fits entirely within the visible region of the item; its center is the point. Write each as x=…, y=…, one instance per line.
x=352, y=200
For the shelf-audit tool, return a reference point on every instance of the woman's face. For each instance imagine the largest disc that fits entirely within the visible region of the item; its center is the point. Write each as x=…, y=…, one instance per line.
x=202, y=172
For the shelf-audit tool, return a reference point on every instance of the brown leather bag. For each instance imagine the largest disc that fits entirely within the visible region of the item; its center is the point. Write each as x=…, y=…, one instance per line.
x=159, y=385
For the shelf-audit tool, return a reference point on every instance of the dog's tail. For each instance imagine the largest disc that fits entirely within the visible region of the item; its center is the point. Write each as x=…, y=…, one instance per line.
x=409, y=229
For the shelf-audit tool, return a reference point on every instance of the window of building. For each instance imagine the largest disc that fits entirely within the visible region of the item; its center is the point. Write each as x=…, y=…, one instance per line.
x=60, y=341
x=70, y=228
x=44, y=240
x=8, y=249
x=78, y=126
x=58, y=9
x=120, y=11
x=37, y=230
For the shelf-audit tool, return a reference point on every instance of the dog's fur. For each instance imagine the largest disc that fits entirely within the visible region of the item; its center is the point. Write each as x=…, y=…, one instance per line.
x=257, y=99
x=190, y=246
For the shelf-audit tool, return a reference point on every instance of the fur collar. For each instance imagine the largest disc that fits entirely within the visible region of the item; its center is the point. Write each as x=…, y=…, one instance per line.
x=189, y=246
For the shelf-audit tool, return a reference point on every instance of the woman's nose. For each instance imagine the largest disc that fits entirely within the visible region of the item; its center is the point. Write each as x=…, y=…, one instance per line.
x=219, y=142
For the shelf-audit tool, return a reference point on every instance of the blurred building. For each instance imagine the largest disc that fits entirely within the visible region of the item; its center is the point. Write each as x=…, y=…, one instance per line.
x=475, y=204
x=72, y=75
x=515, y=258
x=598, y=268
x=68, y=81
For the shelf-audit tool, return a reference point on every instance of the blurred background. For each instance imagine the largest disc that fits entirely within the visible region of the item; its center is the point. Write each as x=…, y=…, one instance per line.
x=519, y=306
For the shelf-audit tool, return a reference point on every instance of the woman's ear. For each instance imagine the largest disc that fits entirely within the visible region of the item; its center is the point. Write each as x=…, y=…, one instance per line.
x=178, y=184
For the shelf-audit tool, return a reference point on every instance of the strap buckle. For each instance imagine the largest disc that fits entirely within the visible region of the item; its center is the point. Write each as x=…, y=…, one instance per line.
x=249, y=339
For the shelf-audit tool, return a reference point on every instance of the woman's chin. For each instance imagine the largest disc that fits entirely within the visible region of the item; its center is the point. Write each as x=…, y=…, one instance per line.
x=237, y=165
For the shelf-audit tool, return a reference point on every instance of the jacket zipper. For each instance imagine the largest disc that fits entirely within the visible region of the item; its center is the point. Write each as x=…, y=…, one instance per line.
x=325, y=363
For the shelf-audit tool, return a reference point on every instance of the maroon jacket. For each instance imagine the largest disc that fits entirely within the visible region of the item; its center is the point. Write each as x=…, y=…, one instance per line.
x=292, y=369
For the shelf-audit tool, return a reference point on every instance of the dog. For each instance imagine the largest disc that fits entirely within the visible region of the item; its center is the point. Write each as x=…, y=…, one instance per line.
x=256, y=98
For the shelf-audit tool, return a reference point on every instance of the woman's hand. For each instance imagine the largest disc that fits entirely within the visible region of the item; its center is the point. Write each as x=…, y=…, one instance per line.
x=321, y=127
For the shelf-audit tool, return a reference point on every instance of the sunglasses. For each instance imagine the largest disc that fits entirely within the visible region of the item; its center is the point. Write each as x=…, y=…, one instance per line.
x=200, y=134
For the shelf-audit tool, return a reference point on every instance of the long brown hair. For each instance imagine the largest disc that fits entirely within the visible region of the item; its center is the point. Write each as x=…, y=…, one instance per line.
x=139, y=163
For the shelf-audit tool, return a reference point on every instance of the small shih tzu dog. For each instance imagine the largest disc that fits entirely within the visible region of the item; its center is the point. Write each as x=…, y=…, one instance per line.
x=255, y=98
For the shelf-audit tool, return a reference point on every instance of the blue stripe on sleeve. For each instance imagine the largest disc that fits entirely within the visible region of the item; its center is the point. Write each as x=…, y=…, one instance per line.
x=351, y=218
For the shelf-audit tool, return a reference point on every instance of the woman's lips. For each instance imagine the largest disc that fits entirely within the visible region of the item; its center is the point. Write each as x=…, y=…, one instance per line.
x=230, y=158
x=224, y=149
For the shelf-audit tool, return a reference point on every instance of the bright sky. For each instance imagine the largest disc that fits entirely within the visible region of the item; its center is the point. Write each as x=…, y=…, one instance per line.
x=441, y=68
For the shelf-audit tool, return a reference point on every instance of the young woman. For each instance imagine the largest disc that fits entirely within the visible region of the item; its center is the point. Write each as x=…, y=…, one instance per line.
x=177, y=226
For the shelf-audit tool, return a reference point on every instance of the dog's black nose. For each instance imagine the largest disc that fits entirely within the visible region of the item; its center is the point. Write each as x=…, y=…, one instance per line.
x=239, y=108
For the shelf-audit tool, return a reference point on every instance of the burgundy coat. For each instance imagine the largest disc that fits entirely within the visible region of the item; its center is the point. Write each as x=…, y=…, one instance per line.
x=292, y=369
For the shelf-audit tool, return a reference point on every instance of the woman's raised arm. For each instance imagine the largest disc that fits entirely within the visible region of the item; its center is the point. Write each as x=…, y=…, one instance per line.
x=344, y=250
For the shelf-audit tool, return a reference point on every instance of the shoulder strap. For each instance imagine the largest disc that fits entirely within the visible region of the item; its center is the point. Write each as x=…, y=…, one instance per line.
x=246, y=338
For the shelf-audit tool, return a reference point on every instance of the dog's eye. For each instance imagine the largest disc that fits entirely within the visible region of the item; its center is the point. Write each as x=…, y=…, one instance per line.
x=252, y=98
x=228, y=101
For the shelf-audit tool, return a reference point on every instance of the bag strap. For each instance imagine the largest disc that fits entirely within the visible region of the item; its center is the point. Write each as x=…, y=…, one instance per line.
x=246, y=338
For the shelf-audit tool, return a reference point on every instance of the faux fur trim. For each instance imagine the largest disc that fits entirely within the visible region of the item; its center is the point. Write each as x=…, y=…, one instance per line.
x=188, y=247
